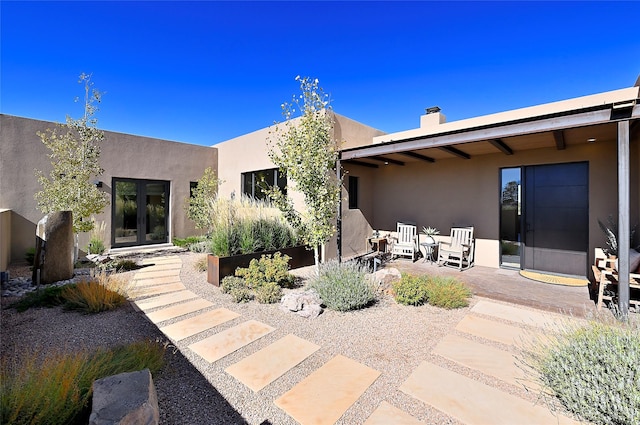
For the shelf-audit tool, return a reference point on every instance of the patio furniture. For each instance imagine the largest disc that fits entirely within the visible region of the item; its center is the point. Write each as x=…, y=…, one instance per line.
x=459, y=251
x=407, y=243
x=606, y=277
x=428, y=250
x=377, y=244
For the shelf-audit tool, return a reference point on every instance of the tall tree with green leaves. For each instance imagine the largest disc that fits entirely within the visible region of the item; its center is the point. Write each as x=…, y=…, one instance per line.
x=202, y=203
x=75, y=162
x=304, y=148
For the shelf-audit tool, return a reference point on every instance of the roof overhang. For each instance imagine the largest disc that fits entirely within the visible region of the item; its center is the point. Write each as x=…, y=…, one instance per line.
x=564, y=123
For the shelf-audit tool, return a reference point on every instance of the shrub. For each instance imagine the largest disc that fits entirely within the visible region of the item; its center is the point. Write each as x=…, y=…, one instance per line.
x=49, y=296
x=96, y=238
x=241, y=294
x=229, y=283
x=189, y=240
x=125, y=265
x=100, y=294
x=268, y=293
x=202, y=264
x=58, y=388
x=343, y=286
x=269, y=269
x=593, y=370
x=411, y=290
x=447, y=292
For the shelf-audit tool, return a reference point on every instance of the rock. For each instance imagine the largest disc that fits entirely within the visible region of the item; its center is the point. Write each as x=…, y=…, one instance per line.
x=305, y=304
x=54, y=248
x=125, y=399
x=384, y=279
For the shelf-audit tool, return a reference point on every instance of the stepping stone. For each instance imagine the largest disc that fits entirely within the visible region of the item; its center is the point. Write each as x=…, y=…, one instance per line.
x=265, y=366
x=163, y=300
x=226, y=342
x=492, y=330
x=153, y=274
x=472, y=402
x=159, y=260
x=323, y=397
x=157, y=290
x=156, y=281
x=516, y=314
x=488, y=360
x=387, y=414
x=161, y=266
x=178, y=310
x=196, y=324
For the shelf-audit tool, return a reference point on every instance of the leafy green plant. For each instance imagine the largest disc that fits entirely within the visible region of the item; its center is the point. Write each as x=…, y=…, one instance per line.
x=125, y=265
x=201, y=207
x=269, y=293
x=343, y=286
x=189, y=240
x=447, y=292
x=96, y=238
x=30, y=255
x=592, y=369
x=411, y=290
x=48, y=296
x=57, y=389
x=229, y=283
x=267, y=270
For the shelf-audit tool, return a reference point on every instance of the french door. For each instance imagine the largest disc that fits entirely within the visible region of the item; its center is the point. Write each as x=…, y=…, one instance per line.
x=139, y=211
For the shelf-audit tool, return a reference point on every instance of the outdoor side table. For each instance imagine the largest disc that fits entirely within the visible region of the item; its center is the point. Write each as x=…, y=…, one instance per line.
x=429, y=251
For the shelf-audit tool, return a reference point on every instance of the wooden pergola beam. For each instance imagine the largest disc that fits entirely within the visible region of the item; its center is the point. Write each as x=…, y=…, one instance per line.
x=418, y=156
x=501, y=146
x=558, y=136
x=455, y=152
x=386, y=160
x=360, y=163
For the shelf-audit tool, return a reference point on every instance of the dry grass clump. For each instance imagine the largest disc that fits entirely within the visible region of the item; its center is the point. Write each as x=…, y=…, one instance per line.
x=201, y=265
x=439, y=291
x=57, y=389
x=103, y=292
x=592, y=369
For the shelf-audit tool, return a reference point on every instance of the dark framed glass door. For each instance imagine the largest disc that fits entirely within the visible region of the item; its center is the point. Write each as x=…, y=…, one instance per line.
x=510, y=217
x=139, y=211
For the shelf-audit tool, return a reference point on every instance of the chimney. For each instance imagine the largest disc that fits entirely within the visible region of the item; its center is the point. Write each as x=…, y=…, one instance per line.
x=432, y=118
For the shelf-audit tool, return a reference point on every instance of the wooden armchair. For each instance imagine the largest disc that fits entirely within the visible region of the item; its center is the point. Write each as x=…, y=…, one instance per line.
x=407, y=243
x=606, y=277
x=459, y=251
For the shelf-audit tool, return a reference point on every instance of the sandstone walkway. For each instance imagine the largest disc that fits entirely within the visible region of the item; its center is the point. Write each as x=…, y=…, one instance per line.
x=326, y=394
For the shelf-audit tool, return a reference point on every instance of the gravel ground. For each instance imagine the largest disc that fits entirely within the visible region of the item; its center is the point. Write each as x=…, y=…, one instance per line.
x=390, y=338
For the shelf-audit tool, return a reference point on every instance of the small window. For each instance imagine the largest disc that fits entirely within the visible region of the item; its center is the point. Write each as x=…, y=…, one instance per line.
x=256, y=183
x=192, y=188
x=353, y=193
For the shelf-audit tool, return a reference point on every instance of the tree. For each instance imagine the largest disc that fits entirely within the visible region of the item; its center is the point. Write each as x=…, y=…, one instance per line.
x=304, y=148
x=201, y=208
x=75, y=161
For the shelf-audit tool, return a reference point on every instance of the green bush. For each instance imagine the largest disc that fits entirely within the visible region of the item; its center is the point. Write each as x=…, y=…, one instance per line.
x=343, y=286
x=268, y=293
x=447, y=292
x=267, y=270
x=185, y=242
x=48, y=296
x=229, y=283
x=411, y=290
x=58, y=388
x=593, y=370
x=241, y=294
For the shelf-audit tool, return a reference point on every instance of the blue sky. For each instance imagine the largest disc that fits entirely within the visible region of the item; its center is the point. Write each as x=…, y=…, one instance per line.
x=205, y=72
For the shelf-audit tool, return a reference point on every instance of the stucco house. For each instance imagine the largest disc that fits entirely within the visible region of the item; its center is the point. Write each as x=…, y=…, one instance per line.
x=533, y=181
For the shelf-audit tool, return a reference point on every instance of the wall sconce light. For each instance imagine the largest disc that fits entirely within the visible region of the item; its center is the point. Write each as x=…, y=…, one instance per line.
x=591, y=140
x=98, y=183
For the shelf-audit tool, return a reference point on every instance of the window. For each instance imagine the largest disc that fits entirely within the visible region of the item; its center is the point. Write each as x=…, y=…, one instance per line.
x=256, y=183
x=353, y=193
x=192, y=188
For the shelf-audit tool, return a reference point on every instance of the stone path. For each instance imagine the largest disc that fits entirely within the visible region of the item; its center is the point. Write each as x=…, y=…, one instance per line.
x=328, y=392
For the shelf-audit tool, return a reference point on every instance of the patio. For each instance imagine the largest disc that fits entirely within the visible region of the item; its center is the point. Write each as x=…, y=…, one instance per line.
x=507, y=285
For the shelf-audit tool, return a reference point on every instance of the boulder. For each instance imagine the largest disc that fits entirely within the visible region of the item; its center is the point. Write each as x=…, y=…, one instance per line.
x=384, y=278
x=125, y=399
x=54, y=247
x=305, y=304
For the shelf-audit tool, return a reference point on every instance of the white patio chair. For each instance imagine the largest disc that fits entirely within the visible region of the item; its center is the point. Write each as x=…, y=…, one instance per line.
x=459, y=252
x=407, y=243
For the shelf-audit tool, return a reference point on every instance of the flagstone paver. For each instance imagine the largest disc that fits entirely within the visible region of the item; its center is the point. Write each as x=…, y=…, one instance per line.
x=162, y=260
x=178, y=310
x=200, y=323
x=226, y=342
x=492, y=330
x=152, y=274
x=158, y=289
x=387, y=414
x=161, y=266
x=515, y=314
x=265, y=366
x=323, y=396
x=164, y=300
x=155, y=281
x=485, y=358
x=473, y=402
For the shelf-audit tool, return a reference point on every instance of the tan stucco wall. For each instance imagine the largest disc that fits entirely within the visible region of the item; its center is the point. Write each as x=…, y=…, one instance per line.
x=122, y=155
x=250, y=153
x=5, y=238
x=467, y=192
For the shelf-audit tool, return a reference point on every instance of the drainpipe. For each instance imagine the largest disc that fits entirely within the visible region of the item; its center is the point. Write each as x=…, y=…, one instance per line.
x=624, y=228
x=339, y=216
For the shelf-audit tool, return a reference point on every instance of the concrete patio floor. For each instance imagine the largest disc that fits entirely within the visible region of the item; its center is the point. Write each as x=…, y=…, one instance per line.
x=508, y=285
